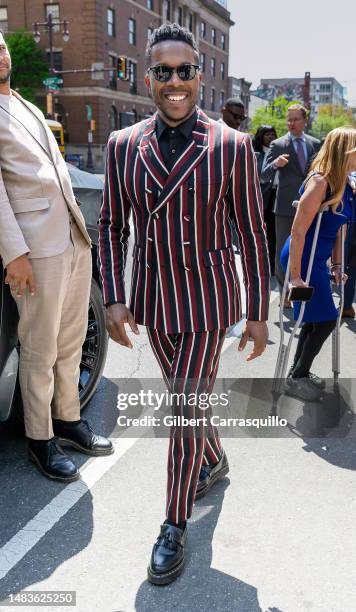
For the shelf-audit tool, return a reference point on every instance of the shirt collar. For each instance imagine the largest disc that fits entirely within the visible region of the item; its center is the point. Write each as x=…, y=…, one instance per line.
x=185, y=128
x=302, y=137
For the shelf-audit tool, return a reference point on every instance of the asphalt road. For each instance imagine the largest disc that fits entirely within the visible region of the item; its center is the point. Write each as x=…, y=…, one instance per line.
x=276, y=535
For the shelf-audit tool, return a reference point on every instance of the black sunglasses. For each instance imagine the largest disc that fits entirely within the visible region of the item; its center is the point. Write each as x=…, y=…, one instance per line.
x=237, y=116
x=186, y=72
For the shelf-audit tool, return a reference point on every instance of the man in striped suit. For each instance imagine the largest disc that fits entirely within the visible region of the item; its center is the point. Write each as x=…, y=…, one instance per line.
x=185, y=179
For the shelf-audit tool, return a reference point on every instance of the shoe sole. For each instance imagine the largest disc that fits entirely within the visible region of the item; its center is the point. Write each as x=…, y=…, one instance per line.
x=82, y=449
x=167, y=578
x=34, y=460
x=224, y=470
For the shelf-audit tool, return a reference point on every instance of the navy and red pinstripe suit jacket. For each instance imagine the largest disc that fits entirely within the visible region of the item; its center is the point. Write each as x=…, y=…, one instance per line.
x=184, y=276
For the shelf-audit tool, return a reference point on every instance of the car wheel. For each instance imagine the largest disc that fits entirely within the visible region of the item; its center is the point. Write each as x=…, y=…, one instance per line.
x=95, y=347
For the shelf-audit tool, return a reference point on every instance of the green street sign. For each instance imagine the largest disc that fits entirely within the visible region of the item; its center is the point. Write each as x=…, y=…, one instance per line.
x=89, y=112
x=53, y=81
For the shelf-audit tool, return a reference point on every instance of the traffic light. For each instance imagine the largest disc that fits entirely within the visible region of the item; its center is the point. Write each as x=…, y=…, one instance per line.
x=122, y=68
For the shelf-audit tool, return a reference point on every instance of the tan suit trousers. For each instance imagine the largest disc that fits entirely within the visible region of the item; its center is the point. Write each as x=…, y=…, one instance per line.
x=52, y=329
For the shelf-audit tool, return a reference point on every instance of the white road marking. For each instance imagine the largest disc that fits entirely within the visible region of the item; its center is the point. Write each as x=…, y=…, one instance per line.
x=24, y=540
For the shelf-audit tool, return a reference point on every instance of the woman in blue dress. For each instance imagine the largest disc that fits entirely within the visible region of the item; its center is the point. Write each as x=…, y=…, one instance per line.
x=327, y=182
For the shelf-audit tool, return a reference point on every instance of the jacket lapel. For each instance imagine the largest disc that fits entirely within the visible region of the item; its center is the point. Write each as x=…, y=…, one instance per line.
x=310, y=150
x=151, y=155
x=187, y=162
x=38, y=115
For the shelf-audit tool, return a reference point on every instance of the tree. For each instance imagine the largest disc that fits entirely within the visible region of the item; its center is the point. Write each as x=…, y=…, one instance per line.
x=29, y=66
x=329, y=117
x=274, y=114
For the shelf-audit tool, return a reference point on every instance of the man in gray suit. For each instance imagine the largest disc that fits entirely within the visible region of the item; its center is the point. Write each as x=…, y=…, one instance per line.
x=291, y=156
x=45, y=250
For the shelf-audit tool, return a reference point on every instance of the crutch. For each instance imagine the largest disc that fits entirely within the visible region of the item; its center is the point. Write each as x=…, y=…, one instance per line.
x=336, y=331
x=284, y=349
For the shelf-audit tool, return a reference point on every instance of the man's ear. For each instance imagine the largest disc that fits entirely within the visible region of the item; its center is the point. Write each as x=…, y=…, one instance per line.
x=148, y=82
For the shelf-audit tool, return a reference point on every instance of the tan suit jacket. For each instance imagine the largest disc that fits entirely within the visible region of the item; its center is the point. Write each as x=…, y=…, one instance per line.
x=35, y=191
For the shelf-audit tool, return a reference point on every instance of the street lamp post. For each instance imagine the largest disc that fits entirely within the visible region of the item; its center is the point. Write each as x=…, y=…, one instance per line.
x=48, y=27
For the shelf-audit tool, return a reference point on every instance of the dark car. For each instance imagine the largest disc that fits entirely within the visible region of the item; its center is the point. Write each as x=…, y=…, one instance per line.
x=87, y=189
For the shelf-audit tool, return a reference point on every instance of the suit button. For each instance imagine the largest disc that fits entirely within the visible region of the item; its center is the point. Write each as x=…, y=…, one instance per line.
x=150, y=239
x=147, y=266
x=187, y=217
x=191, y=189
x=187, y=268
x=156, y=216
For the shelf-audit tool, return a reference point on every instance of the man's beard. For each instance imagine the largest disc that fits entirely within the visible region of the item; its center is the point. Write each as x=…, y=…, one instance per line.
x=5, y=78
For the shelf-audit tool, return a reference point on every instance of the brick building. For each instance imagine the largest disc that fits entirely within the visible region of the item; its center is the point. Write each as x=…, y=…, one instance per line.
x=100, y=31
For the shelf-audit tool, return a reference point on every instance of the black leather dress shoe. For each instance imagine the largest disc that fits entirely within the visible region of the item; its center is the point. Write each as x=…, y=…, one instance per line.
x=167, y=559
x=210, y=474
x=50, y=459
x=80, y=436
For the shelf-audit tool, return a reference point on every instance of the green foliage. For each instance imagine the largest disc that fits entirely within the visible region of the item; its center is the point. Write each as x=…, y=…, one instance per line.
x=274, y=114
x=29, y=66
x=329, y=117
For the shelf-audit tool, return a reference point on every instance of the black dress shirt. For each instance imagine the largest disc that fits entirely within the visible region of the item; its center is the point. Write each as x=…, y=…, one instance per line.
x=173, y=140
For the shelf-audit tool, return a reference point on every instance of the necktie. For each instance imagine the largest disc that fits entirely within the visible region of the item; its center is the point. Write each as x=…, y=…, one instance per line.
x=300, y=154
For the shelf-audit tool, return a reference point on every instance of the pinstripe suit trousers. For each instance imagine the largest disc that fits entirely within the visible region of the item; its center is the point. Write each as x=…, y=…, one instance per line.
x=189, y=362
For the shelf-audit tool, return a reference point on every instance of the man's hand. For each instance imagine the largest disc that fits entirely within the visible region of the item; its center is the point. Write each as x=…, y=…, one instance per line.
x=258, y=331
x=19, y=275
x=281, y=160
x=116, y=317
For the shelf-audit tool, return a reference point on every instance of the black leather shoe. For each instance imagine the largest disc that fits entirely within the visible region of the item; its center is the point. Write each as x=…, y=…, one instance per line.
x=80, y=435
x=210, y=474
x=50, y=459
x=167, y=559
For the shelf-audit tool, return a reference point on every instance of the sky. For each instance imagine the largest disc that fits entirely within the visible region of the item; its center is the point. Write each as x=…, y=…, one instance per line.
x=281, y=38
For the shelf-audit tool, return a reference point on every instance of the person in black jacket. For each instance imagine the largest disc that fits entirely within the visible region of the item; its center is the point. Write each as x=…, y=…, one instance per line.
x=290, y=157
x=262, y=140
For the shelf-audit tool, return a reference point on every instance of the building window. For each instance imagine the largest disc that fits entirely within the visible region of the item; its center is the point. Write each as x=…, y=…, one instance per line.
x=132, y=31
x=149, y=32
x=180, y=15
x=4, y=26
x=212, y=99
x=202, y=62
x=53, y=9
x=57, y=59
x=223, y=42
x=222, y=99
x=202, y=96
x=167, y=10
x=111, y=22
x=212, y=67
x=112, y=73
x=202, y=29
x=133, y=77
x=213, y=36
x=222, y=70
x=190, y=24
x=150, y=4
x=113, y=119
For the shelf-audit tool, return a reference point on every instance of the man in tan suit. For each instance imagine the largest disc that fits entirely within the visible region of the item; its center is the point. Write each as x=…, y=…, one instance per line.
x=45, y=249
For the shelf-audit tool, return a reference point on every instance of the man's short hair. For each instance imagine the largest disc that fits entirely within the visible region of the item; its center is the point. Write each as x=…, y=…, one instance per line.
x=299, y=107
x=170, y=31
x=234, y=102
